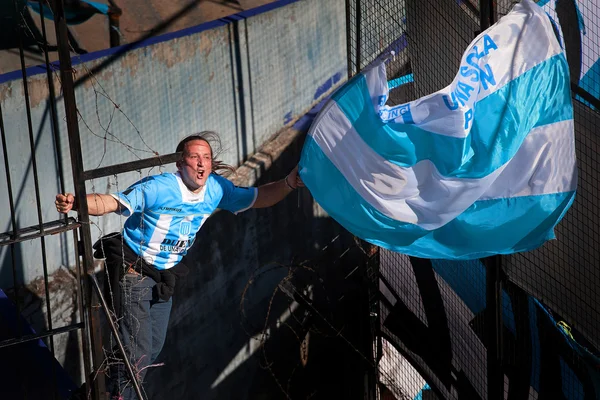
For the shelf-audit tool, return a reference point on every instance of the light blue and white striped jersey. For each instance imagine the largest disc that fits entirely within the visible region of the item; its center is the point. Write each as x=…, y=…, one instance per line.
x=164, y=215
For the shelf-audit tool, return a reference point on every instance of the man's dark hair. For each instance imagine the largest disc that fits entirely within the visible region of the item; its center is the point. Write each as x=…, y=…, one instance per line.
x=214, y=142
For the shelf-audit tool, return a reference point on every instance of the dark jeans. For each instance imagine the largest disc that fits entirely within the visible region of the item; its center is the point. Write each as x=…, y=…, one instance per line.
x=142, y=328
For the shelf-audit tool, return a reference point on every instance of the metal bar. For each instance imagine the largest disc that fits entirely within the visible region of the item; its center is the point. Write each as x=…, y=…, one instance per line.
x=11, y=202
x=54, y=121
x=131, y=166
x=113, y=328
x=585, y=95
x=494, y=327
x=85, y=337
x=349, y=38
x=49, y=333
x=53, y=111
x=48, y=230
x=14, y=265
x=76, y=163
x=14, y=225
x=358, y=34
x=486, y=14
x=30, y=128
x=36, y=185
x=113, y=27
x=472, y=8
x=11, y=205
x=94, y=308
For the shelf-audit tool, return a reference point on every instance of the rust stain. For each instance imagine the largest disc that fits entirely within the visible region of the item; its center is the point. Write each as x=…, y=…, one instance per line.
x=92, y=81
x=38, y=89
x=183, y=49
x=169, y=56
x=131, y=62
x=206, y=43
x=5, y=91
x=88, y=83
x=165, y=53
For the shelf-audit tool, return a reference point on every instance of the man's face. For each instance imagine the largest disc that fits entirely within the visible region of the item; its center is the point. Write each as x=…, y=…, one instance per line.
x=196, y=165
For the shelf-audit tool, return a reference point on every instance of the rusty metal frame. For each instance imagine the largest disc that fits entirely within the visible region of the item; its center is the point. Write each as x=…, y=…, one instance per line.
x=88, y=291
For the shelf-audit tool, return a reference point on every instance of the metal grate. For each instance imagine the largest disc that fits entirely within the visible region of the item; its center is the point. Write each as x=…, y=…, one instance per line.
x=32, y=325
x=547, y=339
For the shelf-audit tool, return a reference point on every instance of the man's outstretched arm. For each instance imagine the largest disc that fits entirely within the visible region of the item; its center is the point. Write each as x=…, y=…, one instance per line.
x=272, y=193
x=98, y=204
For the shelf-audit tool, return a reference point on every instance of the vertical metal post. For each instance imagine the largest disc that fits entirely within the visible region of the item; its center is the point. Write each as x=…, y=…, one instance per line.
x=358, y=35
x=487, y=14
x=77, y=168
x=13, y=219
x=494, y=327
x=81, y=304
x=114, y=16
x=349, y=37
x=493, y=318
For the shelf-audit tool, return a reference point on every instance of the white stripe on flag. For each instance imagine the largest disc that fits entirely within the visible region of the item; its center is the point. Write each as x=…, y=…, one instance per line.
x=544, y=164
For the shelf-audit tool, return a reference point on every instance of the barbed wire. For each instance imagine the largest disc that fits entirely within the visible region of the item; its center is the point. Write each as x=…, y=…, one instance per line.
x=293, y=271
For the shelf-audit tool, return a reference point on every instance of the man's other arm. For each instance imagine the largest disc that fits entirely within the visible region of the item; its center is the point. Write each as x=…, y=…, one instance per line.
x=98, y=204
x=272, y=193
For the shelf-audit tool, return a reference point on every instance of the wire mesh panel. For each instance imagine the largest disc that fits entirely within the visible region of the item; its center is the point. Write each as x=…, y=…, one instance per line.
x=564, y=273
x=432, y=312
x=375, y=28
x=548, y=319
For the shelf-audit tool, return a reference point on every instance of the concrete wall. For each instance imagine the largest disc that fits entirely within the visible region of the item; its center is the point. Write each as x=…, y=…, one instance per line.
x=244, y=78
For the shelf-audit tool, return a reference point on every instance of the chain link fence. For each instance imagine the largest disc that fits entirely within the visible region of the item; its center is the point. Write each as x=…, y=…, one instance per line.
x=434, y=313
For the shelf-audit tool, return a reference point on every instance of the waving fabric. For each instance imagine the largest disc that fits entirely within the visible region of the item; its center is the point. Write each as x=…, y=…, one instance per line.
x=484, y=166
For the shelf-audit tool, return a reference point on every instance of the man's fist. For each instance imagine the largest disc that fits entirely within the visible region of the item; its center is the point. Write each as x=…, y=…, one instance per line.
x=64, y=202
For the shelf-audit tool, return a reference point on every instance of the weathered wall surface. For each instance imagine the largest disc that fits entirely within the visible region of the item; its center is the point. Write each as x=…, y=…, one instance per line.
x=245, y=79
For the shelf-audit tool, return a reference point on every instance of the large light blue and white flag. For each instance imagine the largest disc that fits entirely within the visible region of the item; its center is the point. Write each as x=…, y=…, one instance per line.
x=484, y=166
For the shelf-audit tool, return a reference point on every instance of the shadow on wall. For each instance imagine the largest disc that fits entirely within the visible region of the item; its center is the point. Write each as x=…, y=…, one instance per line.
x=213, y=348
x=30, y=369
x=30, y=301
